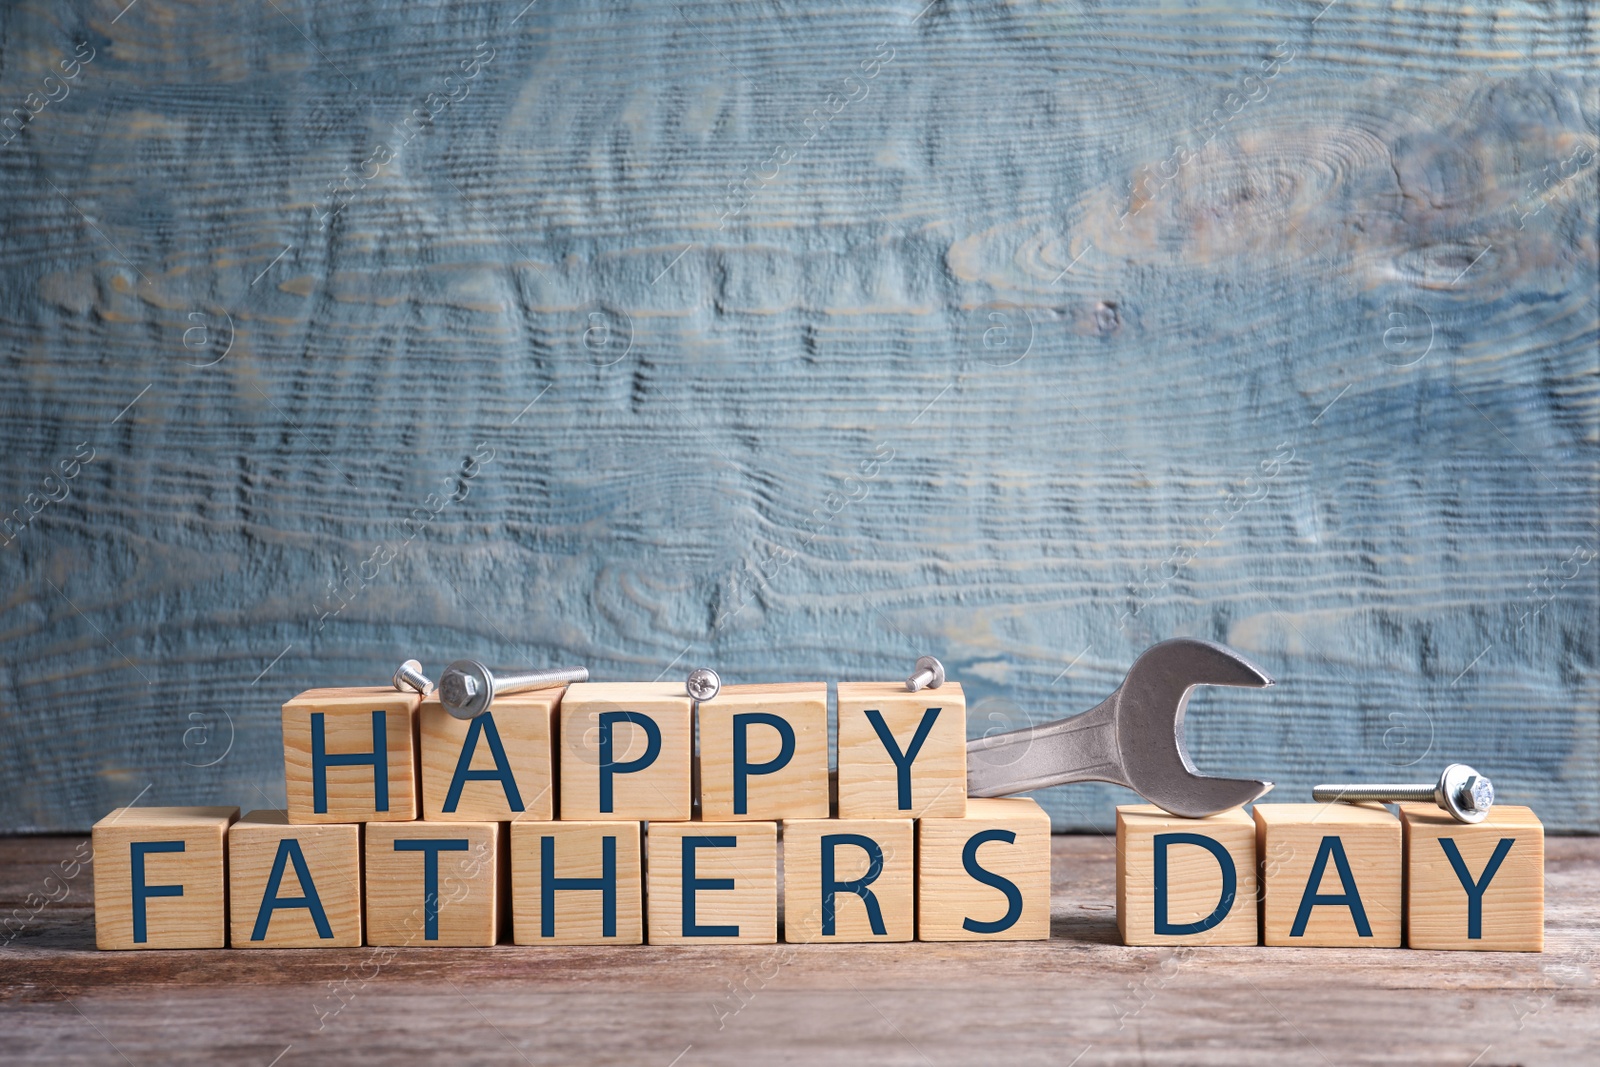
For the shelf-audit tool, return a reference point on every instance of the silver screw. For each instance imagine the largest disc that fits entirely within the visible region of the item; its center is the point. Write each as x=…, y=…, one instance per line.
x=467, y=688
x=1461, y=791
x=703, y=684
x=409, y=676
x=929, y=674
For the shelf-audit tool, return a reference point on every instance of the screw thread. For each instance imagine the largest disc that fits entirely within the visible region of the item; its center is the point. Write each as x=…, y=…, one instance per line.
x=549, y=679
x=1387, y=793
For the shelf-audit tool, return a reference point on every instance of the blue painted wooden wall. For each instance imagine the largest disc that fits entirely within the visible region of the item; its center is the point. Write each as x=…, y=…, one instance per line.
x=798, y=340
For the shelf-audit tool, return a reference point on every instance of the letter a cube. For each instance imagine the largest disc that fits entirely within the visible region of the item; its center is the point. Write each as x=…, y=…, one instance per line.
x=625, y=752
x=902, y=754
x=159, y=878
x=350, y=755
x=494, y=767
x=293, y=886
x=1185, y=881
x=1330, y=875
x=985, y=876
x=577, y=883
x=1474, y=885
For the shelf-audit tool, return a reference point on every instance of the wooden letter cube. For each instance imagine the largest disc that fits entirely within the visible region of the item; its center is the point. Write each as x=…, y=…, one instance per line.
x=350, y=755
x=902, y=755
x=293, y=886
x=1474, y=886
x=764, y=753
x=1189, y=881
x=1330, y=875
x=492, y=768
x=848, y=880
x=985, y=876
x=159, y=878
x=625, y=752
x=432, y=883
x=712, y=883
x=577, y=883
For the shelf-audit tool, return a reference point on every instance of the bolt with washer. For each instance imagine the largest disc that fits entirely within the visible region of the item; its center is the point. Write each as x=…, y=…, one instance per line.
x=929, y=674
x=703, y=684
x=409, y=676
x=467, y=688
x=1461, y=791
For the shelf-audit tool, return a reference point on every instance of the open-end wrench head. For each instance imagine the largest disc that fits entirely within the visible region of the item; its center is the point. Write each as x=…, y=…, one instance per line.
x=1150, y=707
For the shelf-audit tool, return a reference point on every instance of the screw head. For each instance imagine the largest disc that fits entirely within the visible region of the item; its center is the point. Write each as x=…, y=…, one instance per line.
x=1464, y=793
x=466, y=688
x=703, y=683
x=931, y=666
x=404, y=674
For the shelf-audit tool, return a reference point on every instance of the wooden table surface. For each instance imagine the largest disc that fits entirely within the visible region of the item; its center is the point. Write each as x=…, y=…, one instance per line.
x=1078, y=999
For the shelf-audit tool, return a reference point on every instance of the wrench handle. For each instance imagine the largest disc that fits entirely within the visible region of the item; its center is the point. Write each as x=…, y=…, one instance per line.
x=1082, y=748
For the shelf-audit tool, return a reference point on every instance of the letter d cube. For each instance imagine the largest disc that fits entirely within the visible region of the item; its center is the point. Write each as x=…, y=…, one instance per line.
x=1185, y=881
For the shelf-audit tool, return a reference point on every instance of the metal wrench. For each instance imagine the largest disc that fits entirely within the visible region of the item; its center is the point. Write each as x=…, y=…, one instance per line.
x=1134, y=737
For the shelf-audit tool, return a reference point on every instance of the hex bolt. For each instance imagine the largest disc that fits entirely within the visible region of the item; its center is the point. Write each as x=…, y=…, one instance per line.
x=467, y=688
x=1461, y=791
x=409, y=676
x=929, y=674
x=703, y=684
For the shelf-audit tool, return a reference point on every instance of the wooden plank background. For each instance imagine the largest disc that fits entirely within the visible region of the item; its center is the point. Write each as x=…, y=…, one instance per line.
x=798, y=340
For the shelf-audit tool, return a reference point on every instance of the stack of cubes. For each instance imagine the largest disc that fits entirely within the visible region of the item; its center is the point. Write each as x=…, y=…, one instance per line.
x=589, y=816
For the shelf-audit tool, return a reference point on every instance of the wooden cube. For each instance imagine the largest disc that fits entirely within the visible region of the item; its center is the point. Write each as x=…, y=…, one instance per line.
x=901, y=754
x=493, y=768
x=1330, y=875
x=159, y=878
x=1188, y=881
x=986, y=875
x=432, y=883
x=293, y=886
x=577, y=883
x=350, y=755
x=1474, y=886
x=625, y=752
x=764, y=753
x=849, y=880
x=712, y=883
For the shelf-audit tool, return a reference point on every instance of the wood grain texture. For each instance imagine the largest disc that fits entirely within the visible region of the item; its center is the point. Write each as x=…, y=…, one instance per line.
x=356, y=723
x=332, y=858
x=175, y=860
x=1365, y=907
x=801, y=340
x=660, y=789
x=890, y=877
x=954, y=904
x=466, y=895
x=1194, y=878
x=579, y=915
x=736, y=865
x=1510, y=899
x=1022, y=1002
x=796, y=789
x=924, y=775
x=524, y=726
